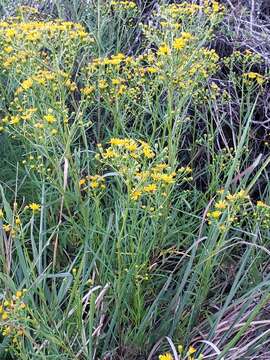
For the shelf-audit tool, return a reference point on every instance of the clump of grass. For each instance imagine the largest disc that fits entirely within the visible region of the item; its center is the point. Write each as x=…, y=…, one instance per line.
x=143, y=218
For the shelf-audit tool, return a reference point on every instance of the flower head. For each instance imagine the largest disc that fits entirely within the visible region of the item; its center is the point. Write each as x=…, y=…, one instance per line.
x=34, y=207
x=191, y=350
x=166, y=356
x=49, y=118
x=5, y=316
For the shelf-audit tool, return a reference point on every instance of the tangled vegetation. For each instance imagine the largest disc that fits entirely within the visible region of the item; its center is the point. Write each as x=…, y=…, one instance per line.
x=134, y=192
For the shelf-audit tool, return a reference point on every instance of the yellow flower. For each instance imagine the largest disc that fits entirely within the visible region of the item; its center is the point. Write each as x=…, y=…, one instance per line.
x=186, y=35
x=261, y=204
x=123, y=5
x=135, y=195
x=168, y=178
x=251, y=75
x=5, y=316
x=117, y=142
x=221, y=205
x=240, y=195
x=214, y=214
x=7, y=228
x=150, y=188
x=131, y=147
x=191, y=350
x=121, y=90
x=179, y=43
x=255, y=76
x=215, y=6
x=147, y=151
x=14, y=119
x=166, y=356
x=82, y=182
x=71, y=85
x=87, y=90
x=163, y=50
x=6, y=331
x=102, y=84
x=110, y=153
x=27, y=84
x=19, y=294
x=116, y=81
x=94, y=184
x=34, y=207
x=151, y=70
x=230, y=197
x=49, y=118
x=1, y=214
x=8, y=49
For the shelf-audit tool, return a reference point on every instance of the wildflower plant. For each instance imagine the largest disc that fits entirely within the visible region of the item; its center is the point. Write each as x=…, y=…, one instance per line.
x=131, y=207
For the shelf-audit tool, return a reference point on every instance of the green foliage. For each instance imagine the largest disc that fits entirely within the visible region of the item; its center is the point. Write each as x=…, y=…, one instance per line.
x=132, y=204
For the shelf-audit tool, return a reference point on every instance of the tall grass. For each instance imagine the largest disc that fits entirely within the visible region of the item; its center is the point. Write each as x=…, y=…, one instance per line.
x=135, y=214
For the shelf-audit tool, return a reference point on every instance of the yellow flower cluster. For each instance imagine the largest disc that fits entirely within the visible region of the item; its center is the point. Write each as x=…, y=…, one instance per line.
x=184, y=9
x=123, y=76
x=44, y=78
x=181, y=42
x=38, y=31
x=148, y=182
x=166, y=356
x=164, y=50
x=88, y=90
x=236, y=206
x=93, y=182
x=12, y=313
x=253, y=76
x=19, y=58
x=190, y=354
x=12, y=224
x=34, y=207
x=24, y=44
x=27, y=57
x=115, y=77
x=35, y=121
x=261, y=204
x=180, y=58
x=262, y=214
x=126, y=148
x=10, y=229
x=121, y=5
x=239, y=206
x=135, y=162
x=212, y=6
x=31, y=118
